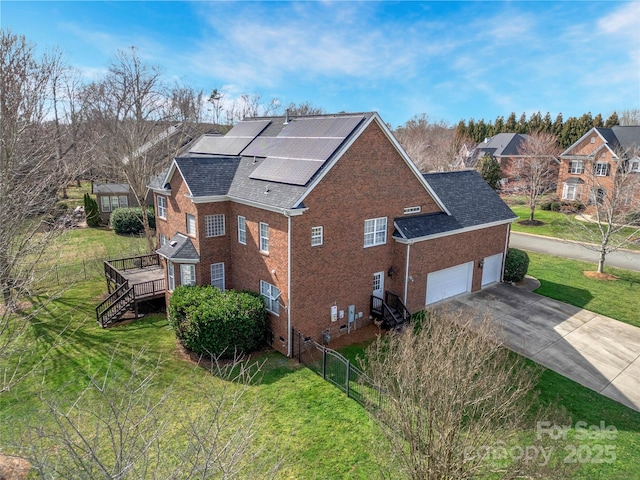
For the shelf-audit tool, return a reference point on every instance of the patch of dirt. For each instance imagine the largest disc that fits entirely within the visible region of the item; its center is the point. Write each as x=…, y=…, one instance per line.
x=13, y=468
x=599, y=276
x=18, y=307
x=530, y=223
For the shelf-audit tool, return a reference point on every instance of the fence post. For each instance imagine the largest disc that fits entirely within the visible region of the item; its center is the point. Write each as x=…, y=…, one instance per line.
x=347, y=376
x=84, y=269
x=324, y=363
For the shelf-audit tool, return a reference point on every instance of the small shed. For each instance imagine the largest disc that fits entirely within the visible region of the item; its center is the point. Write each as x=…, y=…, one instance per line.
x=111, y=196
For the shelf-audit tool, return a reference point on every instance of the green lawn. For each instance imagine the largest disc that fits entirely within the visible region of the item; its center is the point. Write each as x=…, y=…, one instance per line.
x=307, y=425
x=563, y=279
x=559, y=225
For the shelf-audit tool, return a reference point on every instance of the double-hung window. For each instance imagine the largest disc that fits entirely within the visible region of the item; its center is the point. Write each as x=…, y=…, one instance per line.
x=316, y=236
x=172, y=276
x=109, y=204
x=242, y=230
x=601, y=169
x=264, y=237
x=271, y=294
x=576, y=167
x=191, y=224
x=162, y=207
x=375, y=231
x=187, y=274
x=217, y=275
x=570, y=191
x=163, y=239
x=214, y=225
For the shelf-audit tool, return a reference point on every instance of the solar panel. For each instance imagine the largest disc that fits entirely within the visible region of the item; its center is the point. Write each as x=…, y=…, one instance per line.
x=248, y=128
x=294, y=148
x=321, y=127
x=284, y=170
x=221, y=145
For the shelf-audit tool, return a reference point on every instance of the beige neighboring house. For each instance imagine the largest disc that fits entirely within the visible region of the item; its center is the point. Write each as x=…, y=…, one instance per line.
x=111, y=196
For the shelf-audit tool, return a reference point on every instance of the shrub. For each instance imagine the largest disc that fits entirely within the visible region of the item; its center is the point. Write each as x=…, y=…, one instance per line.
x=210, y=322
x=91, y=211
x=515, y=265
x=128, y=221
x=633, y=218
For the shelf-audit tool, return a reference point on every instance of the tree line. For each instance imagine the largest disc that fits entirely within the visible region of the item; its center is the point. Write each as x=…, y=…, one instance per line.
x=566, y=131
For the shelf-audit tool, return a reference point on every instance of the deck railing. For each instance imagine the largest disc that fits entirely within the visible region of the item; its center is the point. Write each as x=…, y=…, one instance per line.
x=130, y=263
x=150, y=288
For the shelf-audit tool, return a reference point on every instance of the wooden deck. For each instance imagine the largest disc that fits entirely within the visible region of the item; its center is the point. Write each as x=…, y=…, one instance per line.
x=129, y=282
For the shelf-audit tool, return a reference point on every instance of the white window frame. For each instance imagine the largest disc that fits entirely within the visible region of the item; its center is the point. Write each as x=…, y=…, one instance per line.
x=410, y=210
x=570, y=191
x=172, y=276
x=187, y=274
x=576, y=167
x=162, y=238
x=105, y=204
x=162, y=207
x=634, y=165
x=317, y=236
x=271, y=295
x=601, y=169
x=264, y=237
x=217, y=275
x=214, y=225
x=242, y=230
x=375, y=231
x=115, y=202
x=123, y=201
x=190, y=220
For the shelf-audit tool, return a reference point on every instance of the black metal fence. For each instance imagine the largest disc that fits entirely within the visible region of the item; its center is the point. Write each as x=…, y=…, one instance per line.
x=336, y=369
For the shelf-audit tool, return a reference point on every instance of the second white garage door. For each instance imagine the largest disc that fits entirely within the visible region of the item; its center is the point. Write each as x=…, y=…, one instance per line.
x=449, y=282
x=492, y=269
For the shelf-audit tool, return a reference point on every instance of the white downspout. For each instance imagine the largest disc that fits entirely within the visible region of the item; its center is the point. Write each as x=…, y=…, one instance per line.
x=406, y=274
x=288, y=284
x=506, y=249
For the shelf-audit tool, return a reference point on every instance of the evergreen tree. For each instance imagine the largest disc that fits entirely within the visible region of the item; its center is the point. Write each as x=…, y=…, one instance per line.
x=547, y=124
x=571, y=131
x=612, y=121
x=535, y=122
x=498, y=126
x=557, y=127
x=511, y=124
x=523, y=125
x=598, y=122
x=489, y=169
x=91, y=211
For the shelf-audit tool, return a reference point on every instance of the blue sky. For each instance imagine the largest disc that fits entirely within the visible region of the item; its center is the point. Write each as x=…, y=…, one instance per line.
x=450, y=60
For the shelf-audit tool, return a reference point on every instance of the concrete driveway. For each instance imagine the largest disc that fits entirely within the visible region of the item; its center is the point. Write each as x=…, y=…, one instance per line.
x=596, y=351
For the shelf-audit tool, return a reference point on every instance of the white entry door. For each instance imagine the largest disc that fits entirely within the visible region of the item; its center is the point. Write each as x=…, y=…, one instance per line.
x=491, y=269
x=378, y=284
x=449, y=282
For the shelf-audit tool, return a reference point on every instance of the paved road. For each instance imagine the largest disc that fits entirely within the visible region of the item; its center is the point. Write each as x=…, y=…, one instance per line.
x=563, y=248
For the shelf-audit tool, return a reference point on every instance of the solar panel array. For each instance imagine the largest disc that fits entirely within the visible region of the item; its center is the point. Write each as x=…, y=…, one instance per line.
x=300, y=149
x=233, y=142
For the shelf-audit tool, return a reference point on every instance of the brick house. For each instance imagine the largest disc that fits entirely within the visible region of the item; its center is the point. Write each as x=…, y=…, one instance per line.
x=588, y=166
x=323, y=215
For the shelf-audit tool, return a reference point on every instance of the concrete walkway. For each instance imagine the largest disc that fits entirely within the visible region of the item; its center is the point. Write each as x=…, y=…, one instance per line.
x=627, y=259
x=598, y=352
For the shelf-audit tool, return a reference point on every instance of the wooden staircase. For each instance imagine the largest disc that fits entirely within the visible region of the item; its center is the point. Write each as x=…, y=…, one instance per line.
x=122, y=299
x=390, y=310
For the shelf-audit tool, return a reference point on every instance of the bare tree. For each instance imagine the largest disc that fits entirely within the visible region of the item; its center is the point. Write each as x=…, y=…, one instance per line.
x=452, y=394
x=31, y=174
x=536, y=168
x=247, y=106
x=129, y=108
x=305, y=108
x=429, y=144
x=613, y=194
x=122, y=426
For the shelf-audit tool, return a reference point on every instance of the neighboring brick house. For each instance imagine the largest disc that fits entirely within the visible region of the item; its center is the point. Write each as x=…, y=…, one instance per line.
x=321, y=215
x=111, y=196
x=588, y=166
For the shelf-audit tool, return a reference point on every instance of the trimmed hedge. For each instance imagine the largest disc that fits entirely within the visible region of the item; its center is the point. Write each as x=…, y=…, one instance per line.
x=210, y=322
x=128, y=221
x=516, y=265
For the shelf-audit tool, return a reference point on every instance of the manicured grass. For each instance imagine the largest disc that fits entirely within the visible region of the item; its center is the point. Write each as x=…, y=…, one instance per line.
x=559, y=225
x=563, y=279
x=308, y=425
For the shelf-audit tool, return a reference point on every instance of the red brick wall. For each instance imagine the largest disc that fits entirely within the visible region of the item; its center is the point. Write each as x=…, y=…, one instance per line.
x=437, y=254
x=371, y=180
x=584, y=148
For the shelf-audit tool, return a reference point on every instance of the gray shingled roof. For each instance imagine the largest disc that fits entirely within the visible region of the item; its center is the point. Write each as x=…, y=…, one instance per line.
x=628, y=137
x=468, y=198
x=179, y=248
x=503, y=144
x=208, y=175
x=111, y=188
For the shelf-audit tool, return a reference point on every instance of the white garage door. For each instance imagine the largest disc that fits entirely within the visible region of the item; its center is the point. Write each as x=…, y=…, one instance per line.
x=491, y=270
x=449, y=282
